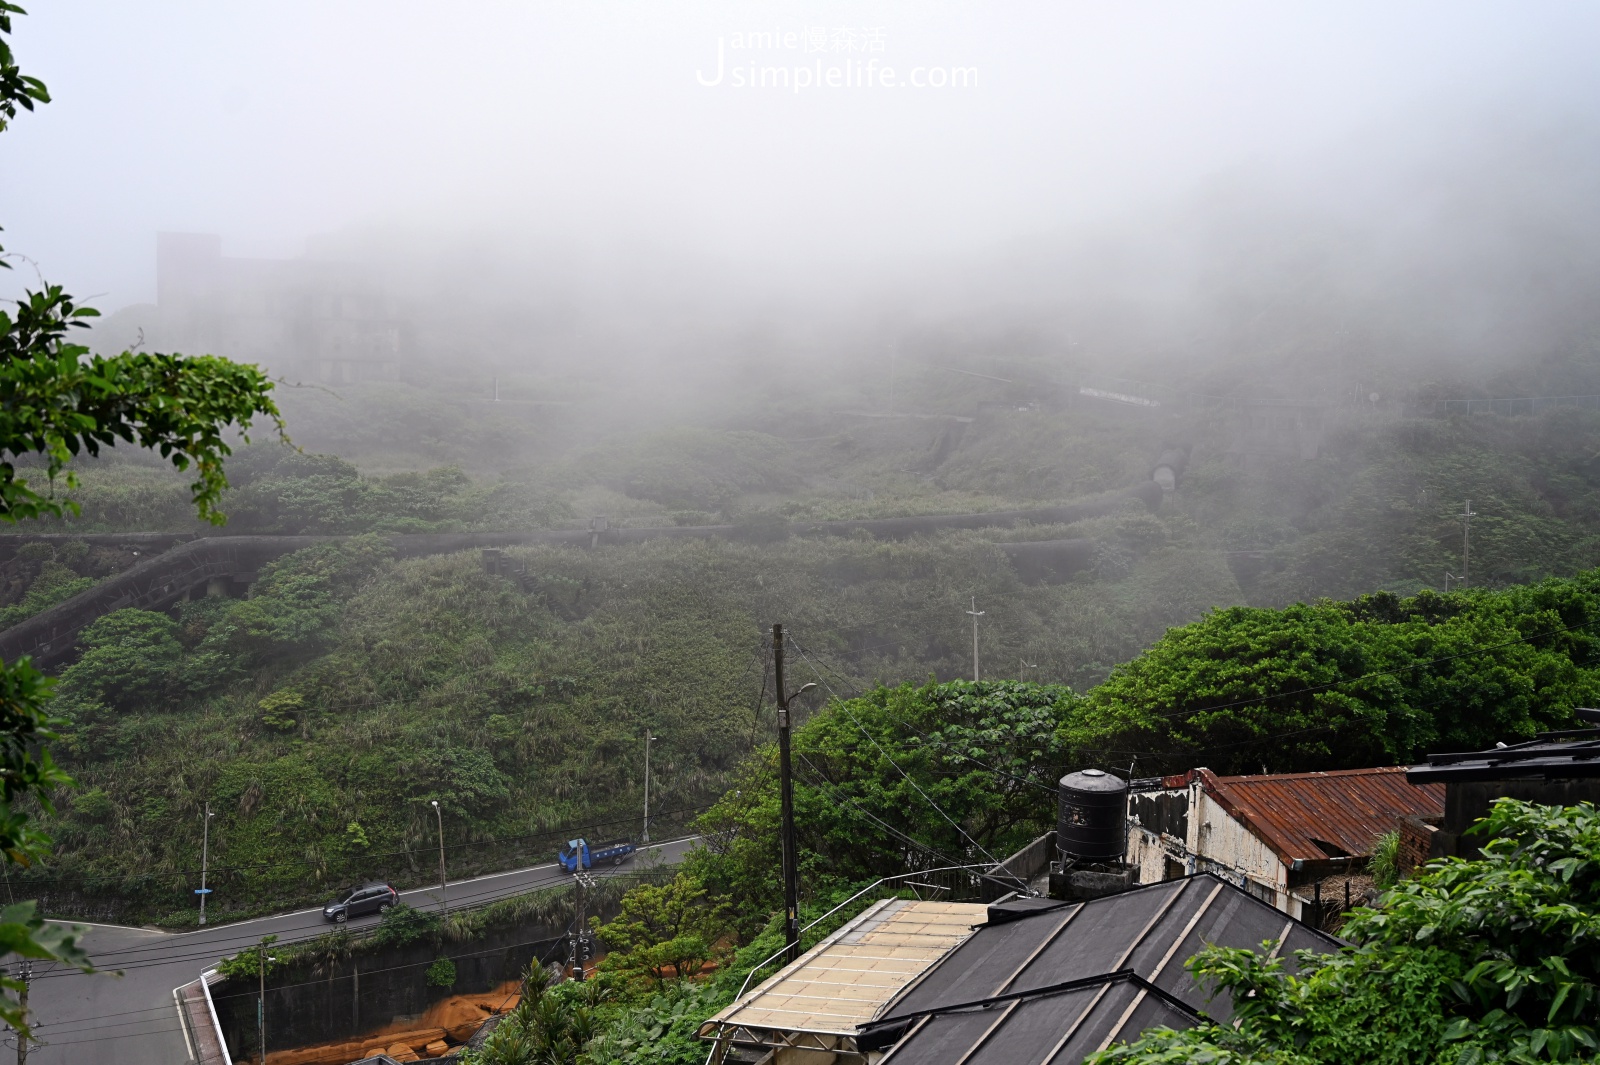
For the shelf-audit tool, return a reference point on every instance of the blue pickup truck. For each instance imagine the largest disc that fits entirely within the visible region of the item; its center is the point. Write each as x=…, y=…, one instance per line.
x=581, y=854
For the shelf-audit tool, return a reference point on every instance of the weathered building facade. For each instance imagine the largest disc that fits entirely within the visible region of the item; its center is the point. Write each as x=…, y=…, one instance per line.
x=315, y=318
x=1269, y=834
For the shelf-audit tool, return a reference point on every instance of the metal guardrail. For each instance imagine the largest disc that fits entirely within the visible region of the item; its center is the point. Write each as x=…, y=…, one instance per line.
x=1510, y=406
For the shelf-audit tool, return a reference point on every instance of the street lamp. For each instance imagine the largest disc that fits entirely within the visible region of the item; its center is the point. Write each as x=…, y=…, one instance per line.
x=261, y=1005
x=444, y=902
x=649, y=739
x=205, y=854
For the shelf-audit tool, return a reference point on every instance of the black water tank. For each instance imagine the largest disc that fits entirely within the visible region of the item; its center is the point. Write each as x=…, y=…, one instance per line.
x=1091, y=822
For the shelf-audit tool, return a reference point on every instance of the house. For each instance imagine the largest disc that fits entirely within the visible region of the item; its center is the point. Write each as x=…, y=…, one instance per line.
x=1269, y=834
x=1554, y=768
x=813, y=1008
x=1031, y=980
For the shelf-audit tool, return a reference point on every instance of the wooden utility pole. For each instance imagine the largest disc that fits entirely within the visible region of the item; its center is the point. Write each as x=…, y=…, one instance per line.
x=791, y=864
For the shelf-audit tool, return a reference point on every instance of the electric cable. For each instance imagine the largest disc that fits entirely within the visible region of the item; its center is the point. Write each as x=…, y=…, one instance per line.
x=925, y=797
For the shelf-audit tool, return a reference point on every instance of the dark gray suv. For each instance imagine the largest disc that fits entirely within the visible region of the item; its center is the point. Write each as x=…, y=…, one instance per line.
x=375, y=897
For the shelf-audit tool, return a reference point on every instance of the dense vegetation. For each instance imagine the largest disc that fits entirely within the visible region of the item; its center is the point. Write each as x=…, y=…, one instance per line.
x=320, y=716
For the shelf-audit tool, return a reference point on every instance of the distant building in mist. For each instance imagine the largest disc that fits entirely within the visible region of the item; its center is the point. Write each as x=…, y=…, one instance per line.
x=311, y=318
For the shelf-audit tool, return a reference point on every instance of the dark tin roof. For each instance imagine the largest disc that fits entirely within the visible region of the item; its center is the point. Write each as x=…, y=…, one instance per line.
x=1051, y=987
x=1550, y=756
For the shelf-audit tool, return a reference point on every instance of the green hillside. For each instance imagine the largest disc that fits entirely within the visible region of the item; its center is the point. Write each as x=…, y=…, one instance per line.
x=321, y=714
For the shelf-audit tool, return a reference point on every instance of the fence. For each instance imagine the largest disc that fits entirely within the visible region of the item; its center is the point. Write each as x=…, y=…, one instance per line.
x=1507, y=406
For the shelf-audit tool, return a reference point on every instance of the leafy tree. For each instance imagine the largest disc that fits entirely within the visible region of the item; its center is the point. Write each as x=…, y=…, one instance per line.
x=1494, y=959
x=1376, y=680
x=873, y=774
x=58, y=401
x=129, y=656
x=664, y=930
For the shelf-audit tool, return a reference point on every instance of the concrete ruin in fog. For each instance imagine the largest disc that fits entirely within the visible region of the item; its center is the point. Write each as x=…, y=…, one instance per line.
x=314, y=318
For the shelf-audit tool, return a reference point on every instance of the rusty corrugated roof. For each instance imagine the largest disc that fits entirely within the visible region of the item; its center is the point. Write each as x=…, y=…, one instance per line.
x=1347, y=808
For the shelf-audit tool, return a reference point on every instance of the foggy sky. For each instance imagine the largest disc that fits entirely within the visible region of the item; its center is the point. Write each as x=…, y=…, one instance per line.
x=581, y=133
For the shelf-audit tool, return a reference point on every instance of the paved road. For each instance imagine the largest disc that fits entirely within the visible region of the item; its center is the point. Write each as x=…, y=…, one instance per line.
x=132, y=1020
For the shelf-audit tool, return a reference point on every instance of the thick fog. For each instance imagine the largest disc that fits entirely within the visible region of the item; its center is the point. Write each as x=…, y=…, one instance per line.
x=1129, y=181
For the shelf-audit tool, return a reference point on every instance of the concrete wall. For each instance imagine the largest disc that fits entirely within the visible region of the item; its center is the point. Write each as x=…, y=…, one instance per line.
x=327, y=1004
x=1213, y=842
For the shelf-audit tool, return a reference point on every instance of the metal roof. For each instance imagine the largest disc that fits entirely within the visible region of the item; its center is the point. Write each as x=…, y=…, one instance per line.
x=1058, y=1025
x=1550, y=755
x=1055, y=985
x=844, y=982
x=1346, y=808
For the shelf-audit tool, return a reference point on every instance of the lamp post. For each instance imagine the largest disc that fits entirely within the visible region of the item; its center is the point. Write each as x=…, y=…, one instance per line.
x=444, y=901
x=649, y=739
x=205, y=855
x=261, y=1004
x=976, y=614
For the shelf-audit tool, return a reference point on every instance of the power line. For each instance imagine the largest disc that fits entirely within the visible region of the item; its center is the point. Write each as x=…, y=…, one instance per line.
x=925, y=797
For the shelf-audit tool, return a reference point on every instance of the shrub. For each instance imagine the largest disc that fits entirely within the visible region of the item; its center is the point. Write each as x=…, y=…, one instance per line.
x=442, y=973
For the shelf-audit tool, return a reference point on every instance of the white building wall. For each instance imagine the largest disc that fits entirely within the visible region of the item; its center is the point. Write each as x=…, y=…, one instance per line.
x=1223, y=844
x=1216, y=842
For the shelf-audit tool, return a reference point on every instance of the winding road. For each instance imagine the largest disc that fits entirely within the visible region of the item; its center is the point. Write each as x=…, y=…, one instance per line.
x=132, y=1018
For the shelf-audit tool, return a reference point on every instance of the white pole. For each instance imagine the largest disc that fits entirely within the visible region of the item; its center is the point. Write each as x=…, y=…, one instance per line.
x=205, y=854
x=976, y=614
x=648, y=740
x=444, y=902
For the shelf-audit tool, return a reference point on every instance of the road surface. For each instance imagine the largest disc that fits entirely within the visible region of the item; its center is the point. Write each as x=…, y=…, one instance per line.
x=132, y=1019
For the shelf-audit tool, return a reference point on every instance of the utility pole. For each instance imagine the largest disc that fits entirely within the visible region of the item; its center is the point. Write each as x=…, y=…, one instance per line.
x=444, y=900
x=576, y=952
x=649, y=738
x=791, y=866
x=976, y=614
x=205, y=854
x=791, y=854
x=1466, y=533
x=22, y=1006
